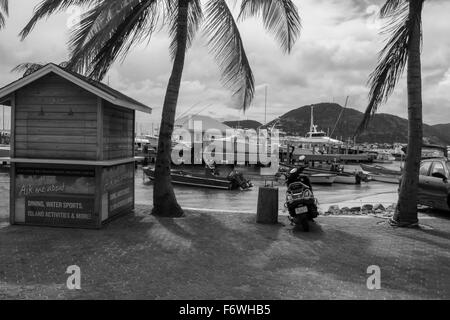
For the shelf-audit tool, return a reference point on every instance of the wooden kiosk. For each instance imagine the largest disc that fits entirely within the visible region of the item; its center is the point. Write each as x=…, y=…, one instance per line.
x=72, y=150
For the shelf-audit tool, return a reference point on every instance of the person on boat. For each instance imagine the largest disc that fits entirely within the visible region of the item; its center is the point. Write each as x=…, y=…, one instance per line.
x=211, y=169
x=291, y=155
x=336, y=167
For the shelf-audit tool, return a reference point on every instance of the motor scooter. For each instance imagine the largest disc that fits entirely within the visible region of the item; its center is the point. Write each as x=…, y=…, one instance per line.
x=300, y=200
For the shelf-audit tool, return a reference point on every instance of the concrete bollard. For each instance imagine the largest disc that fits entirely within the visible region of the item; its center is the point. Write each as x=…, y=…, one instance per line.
x=267, y=206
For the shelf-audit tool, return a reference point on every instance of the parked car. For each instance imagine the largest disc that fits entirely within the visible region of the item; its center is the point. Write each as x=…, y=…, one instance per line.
x=434, y=185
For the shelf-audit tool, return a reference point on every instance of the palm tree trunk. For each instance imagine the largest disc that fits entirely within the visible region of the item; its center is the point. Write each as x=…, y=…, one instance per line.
x=406, y=214
x=164, y=201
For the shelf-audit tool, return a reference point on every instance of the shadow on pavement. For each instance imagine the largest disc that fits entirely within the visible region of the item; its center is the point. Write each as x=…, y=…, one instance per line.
x=223, y=256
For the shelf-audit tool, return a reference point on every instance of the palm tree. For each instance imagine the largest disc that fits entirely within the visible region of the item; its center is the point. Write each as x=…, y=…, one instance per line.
x=110, y=28
x=403, y=49
x=3, y=12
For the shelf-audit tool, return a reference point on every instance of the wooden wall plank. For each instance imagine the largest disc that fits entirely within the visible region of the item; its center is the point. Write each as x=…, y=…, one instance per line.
x=31, y=131
x=38, y=138
x=68, y=100
x=58, y=108
x=49, y=116
x=56, y=124
x=42, y=154
x=50, y=146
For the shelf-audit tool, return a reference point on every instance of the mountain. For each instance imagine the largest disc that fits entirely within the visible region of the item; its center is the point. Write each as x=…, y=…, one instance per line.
x=383, y=128
x=244, y=124
x=443, y=130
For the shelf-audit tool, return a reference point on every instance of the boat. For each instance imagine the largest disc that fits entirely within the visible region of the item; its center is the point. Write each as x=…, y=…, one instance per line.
x=341, y=177
x=317, y=138
x=395, y=179
x=381, y=161
x=322, y=178
x=317, y=145
x=380, y=170
x=327, y=178
x=382, y=174
x=234, y=181
x=384, y=156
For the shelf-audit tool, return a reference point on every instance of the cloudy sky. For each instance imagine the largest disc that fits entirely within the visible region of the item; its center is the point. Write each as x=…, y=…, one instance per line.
x=335, y=54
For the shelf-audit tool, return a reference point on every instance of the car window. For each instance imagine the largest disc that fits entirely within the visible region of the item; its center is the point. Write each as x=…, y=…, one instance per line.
x=424, y=168
x=438, y=167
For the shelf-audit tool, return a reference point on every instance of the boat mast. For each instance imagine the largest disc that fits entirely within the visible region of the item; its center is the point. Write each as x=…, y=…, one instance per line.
x=340, y=116
x=311, y=129
x=265, y=105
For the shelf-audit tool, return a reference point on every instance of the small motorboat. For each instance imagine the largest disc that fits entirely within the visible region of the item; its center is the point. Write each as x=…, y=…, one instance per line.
x=342, y=177
x=385, y=157
x=395, y=179
x=234, y=180
x=327, y=178
x=380, y=170
x=322, y=178
x=383, y=161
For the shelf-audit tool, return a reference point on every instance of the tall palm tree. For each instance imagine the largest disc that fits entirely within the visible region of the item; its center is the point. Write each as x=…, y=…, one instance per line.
x=110, y=28
x=403, y=49
x=3, y=12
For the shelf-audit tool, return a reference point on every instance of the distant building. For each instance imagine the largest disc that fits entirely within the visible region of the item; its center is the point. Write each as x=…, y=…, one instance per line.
x=207, y=123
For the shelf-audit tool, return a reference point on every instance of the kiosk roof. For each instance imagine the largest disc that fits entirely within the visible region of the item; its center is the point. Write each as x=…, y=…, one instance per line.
x=95, y=87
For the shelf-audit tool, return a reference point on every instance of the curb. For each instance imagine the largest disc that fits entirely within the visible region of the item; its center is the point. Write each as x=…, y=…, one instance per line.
x=200, y=210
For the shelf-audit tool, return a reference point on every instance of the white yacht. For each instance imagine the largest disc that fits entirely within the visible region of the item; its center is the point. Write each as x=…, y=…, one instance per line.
x=316, y=137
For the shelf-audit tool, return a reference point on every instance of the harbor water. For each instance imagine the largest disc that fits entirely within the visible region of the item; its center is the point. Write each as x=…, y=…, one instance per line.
x=244, y=201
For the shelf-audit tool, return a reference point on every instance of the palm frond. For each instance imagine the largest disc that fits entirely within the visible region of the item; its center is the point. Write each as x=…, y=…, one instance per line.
x=49, y=7
x=280, y=17
x=87, y=35
x=102, y=37
x=3, y=12
x=392, y=59
x=90, y=24
x=391, y=7
x=195, y=17
x=27, y=68
x=226, y=45
x=30, y=67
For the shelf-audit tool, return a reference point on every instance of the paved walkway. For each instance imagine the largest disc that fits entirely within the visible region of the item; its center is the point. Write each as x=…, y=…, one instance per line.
x=226, y=256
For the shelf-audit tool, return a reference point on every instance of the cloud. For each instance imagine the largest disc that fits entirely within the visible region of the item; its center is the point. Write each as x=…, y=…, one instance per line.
x=333, y=58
